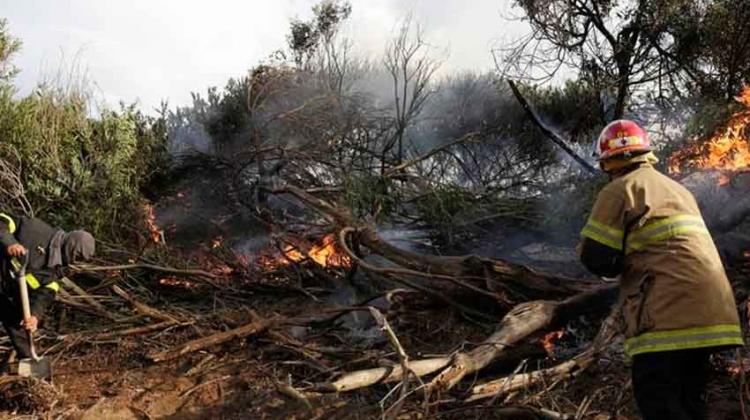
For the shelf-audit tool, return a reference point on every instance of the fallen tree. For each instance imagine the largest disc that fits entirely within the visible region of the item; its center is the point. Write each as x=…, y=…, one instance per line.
x=499, y=279
x=468, y=271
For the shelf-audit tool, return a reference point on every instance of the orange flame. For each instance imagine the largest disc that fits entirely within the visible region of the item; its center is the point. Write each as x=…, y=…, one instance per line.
x=157, y=235
x=727, y=150
x=325, y=253
x=548, y=342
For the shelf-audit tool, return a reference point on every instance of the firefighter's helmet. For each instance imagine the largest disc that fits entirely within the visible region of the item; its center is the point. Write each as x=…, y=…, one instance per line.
x=622, y=138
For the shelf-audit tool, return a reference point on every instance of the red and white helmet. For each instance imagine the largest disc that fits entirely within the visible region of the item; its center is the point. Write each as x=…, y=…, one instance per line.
x=622, y=137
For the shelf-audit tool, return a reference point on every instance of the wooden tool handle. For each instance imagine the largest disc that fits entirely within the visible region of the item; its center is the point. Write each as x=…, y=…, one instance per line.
x=25, y=306
x=24, y=289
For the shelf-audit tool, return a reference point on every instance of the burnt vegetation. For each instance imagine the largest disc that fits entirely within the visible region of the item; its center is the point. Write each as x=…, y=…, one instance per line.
x=334, y=236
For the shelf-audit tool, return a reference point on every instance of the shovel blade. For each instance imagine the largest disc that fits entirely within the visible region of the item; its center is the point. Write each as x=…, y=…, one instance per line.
x=30, y=368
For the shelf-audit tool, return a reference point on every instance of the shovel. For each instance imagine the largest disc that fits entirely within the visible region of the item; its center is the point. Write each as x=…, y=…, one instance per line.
x=34, y=367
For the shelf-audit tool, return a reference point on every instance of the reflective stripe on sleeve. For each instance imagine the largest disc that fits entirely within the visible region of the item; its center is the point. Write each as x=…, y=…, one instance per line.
x=603, y=234
x=665, y=228
x=54, y=286
x=683, y=339
x=31, y=279
x=9, y=220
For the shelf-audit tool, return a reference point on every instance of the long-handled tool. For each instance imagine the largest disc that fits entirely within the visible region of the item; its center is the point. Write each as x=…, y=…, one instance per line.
x=36, y=367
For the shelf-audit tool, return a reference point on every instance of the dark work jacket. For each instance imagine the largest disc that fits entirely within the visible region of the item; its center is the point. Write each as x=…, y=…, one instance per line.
x=35, y=235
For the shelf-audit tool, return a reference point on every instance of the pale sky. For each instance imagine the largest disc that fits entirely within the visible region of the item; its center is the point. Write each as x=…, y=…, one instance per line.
x=149, y=50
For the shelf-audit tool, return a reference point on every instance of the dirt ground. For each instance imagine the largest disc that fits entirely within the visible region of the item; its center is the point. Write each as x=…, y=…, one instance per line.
x=246, y=378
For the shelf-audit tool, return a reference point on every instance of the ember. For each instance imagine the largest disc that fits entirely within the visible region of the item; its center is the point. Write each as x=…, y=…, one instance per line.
x=209, y=262
x=548, y=342
x=727, y=150
x=175, y=282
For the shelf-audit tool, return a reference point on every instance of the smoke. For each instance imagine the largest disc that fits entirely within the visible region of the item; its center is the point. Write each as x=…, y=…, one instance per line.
x=725, y=206
x=407, y=239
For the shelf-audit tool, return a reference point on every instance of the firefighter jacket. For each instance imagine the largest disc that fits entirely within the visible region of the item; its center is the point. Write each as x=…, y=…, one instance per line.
x=647, y=228
x=35, y=235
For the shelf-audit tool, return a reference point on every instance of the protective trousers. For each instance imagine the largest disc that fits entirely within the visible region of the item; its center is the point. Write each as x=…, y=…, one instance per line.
x=670, y=385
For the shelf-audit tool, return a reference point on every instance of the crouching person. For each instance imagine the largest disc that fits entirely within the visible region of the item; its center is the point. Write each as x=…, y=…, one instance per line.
x=49, y=251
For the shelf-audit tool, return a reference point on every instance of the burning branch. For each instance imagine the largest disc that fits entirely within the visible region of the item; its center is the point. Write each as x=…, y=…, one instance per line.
x=727, y=149
x=548, y=342
x=523, y=321
x=157, y=234
x=325, y=253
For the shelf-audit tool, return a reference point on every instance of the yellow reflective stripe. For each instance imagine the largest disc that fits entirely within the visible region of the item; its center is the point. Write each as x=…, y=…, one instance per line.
x=9, y=220
x=662, y=223
x=625, y=141
x=688, y=338
x=610, y=230
x=32, y=281
x=666, y=228
x=603, y=234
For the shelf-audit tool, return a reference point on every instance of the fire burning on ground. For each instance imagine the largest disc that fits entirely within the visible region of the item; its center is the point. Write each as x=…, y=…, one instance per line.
x=157, y=235
x=548, y=342
x=727, y=150
x=325, y=253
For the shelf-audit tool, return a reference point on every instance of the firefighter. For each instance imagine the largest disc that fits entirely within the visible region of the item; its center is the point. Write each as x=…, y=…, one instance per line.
x=678, y=305
x=49, y=252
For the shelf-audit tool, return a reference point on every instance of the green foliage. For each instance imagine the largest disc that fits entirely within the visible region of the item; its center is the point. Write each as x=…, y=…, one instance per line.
x=80, y=171
x=725, y=44
x=305, y=36
x=573, y=108
x=74, y=170
x=229, y=117
x=368, y=195
x=440, y=208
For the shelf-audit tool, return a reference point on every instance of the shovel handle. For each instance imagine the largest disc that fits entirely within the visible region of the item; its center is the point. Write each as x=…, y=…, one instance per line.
x=23, y=288
x=25, y=306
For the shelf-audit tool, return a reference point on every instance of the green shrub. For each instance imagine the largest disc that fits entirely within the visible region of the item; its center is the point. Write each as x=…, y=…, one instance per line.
x=77, y=171
x=73, y=169
x=440, y=207
x=369, y=195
